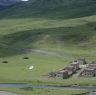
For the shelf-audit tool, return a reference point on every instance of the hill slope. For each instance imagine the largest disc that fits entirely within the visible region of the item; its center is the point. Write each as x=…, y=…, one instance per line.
x=49, y=23
x=52, y=9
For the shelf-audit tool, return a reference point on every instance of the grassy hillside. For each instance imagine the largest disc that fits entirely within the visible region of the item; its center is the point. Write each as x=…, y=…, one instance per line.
x=44, y=21
x=49, y=24
x=81, y=35
x=52, y=9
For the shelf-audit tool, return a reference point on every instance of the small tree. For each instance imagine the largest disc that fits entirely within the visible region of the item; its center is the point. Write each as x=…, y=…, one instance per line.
x=5, y=62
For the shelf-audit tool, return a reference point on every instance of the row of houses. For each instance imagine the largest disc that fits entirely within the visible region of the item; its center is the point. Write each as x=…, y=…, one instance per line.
x=89, y=71
x=69, y=70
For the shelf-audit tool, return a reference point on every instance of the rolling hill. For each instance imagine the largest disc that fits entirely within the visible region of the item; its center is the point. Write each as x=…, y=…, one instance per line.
x=54, y=9
x=49, y=22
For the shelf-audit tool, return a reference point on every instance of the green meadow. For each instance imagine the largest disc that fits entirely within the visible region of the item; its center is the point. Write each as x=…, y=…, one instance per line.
x=32, y=91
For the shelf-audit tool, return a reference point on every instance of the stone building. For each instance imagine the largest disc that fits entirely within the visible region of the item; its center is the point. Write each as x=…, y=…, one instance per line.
x=75, y=65
x=88, y=72
x=70, y=69
x=82, y=61
x=92, y=66
x=63, y=74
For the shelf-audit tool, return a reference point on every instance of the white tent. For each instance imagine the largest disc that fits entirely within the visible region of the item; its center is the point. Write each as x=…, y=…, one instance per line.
x=31, y=67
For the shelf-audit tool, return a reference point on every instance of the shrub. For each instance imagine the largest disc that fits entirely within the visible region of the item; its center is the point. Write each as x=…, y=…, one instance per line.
x=5, y=62
x=26, y=57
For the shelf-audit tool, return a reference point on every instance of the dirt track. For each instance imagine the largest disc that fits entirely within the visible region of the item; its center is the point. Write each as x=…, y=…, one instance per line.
x=25, y=50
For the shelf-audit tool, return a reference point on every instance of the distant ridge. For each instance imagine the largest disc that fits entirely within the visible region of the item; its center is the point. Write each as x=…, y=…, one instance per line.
x=6, y=3
x=52, y=9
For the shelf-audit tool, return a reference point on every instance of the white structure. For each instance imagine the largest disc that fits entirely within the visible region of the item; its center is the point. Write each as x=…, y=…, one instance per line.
x=31, y=67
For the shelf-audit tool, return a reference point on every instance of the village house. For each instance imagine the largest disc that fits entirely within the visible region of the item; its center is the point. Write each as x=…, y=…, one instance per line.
x=70, y=69
x=63, y=74
x=81, y=61
x=88, y=72
x=75, y=65
x=92, y=65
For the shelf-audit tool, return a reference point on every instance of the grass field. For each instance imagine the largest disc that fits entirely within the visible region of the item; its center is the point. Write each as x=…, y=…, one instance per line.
x=43, y=64
x=57, y=32
x=32, y=91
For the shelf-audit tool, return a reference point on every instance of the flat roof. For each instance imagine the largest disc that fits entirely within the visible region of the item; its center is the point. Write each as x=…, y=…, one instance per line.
x=89, y=69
